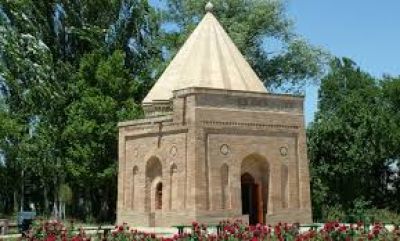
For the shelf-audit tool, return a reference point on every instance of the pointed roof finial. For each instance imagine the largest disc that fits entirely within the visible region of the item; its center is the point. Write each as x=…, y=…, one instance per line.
x=209, y=7
x=208, y=59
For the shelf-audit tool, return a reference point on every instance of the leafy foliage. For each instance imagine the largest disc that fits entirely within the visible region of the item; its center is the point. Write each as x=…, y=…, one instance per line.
x=353, y=142
x=68, y=75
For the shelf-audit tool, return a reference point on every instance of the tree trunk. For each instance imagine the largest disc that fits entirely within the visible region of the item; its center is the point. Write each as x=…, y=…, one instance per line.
x=55, y=204
x=60, y=211
x=15, y=199
x=22, y=191
x=63, y=213
x=46, y=200
x=88, y=203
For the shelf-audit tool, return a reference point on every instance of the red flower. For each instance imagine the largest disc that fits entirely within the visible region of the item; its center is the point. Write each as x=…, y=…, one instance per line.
x=299, y=238
x=343, y=228
x=51, y=237
x=76, y=238
x=277, y=230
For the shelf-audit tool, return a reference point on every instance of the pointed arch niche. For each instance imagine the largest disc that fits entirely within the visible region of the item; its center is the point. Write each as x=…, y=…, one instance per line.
x=134, y=173
x=173, y=190
x=225, y=187
x=285, y=186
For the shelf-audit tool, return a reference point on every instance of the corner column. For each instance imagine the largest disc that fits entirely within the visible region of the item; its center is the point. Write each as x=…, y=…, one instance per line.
x=304, y=178
x=121, y=173
x=275, y=190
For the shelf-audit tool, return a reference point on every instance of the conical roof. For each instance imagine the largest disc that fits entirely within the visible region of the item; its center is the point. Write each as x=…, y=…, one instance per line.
x=210, y=59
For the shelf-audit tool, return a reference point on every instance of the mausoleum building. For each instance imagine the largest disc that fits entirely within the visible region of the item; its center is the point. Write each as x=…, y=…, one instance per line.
x=214, y=143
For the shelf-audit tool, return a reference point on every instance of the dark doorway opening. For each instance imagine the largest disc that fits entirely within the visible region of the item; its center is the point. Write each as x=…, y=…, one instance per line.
x=159, y=196
x=251, y=198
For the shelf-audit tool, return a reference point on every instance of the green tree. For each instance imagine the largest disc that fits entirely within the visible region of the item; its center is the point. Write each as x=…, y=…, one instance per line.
x=351, y=142
x=91, y=130
x=46, y=47
x=391, y=93
x=25, y=71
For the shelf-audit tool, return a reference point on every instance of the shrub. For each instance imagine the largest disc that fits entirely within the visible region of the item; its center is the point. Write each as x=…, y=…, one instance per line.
x=384, y=216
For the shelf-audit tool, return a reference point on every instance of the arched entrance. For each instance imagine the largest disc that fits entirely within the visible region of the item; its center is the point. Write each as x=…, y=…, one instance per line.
x=250, y=199
x=254, y=188
x=153, y=192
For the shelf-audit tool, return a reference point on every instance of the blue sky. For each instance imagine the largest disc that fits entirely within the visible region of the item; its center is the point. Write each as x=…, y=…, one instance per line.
x=367, y=31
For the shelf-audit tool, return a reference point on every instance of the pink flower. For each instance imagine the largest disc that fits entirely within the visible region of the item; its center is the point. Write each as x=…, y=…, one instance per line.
x=120, y=228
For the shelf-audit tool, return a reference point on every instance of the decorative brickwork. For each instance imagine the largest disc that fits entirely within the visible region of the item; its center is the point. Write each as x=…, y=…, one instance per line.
x=192, y=167
x=214, y=144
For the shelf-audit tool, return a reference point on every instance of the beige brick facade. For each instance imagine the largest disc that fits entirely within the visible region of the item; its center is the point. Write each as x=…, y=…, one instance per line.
x=214, y=144
x=199, y=152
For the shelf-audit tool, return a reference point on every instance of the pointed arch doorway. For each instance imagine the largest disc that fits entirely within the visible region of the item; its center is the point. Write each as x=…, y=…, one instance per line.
x=153, y=192
x=254, y=188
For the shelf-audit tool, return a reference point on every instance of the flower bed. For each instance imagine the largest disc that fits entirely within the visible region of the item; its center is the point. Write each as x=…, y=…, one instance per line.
x=230, y=231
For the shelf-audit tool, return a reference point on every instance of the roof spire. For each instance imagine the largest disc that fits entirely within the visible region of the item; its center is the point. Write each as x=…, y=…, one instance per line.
x=209, y=7
x=208, y=59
